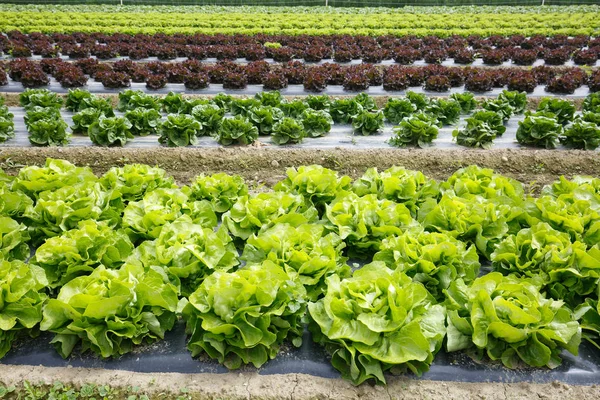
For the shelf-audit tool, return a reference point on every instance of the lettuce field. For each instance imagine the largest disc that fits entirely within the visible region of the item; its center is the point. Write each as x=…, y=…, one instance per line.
x=354, y=200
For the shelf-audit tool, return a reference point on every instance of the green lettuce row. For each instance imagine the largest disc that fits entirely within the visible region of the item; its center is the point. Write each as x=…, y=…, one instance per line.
x=507, y=319
x=22, y=294
x=243, y=317
x=80, y=251
x=377, y=321
x=111, y=311
x=307, y=253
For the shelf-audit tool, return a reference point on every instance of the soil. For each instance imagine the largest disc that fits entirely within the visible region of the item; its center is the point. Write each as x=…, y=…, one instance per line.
x=247, y=385
x=267, y=165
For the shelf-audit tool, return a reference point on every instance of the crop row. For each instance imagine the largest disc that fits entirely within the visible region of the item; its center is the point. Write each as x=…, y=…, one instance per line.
x=196, y=75
x=118, y=259
x=242, y=121
x=493, y=50
x=370, y=24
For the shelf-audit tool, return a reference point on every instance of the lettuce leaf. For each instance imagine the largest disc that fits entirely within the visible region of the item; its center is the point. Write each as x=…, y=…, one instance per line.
x=133, y=181
x=220, y=189
x=14, y=238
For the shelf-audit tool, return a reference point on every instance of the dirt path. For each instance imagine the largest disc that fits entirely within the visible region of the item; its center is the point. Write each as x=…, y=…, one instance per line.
x=267, y=165
x=294, y=386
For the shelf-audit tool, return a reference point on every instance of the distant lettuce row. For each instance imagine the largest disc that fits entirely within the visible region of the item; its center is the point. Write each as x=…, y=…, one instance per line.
x=118, y=259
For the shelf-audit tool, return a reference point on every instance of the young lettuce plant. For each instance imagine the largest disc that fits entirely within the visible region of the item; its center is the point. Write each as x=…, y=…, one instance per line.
x=417, y=130
x=396, y=110
x=7, y=125
x=433, y=259
x=243, y=106
x=210, y=117
x=110, y=131
x=238, y=130
x=145, y=219
x=83, y=119
x=368, y=123
x=363, y=320
x=507, y=319
x=591, y=103
x=269, y=99
x=40, y=98
x=81, y=250
x=265, y=118
x=23, y=287
x=318, y=185
x=244, y=317
x=75, y=98
x=316, y=123
x=172, y=103
x=288, y=131
x=343, y=111
x=221, y=190
x=581, y=135
x=318, y=102
x=133, y=181
x=517, y=100
x=144, y=121
x=36, y=113
x=293, y=109
x=97, y=103
x=250, y=214
x=307, y=252
x=500, y=106
x=363, y=222
x=541, y=129
x=476, y=133
x=179, y=130
x=132, y=99
x=474, y=182
x=141, y=302
x=466, y=100
x=48, y=132
x=420, y=100
x=564, y=110
x=411, y=188
x=447, y=112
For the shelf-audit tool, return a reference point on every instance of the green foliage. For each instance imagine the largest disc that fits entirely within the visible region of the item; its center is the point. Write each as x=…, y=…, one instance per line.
x=144, y=121
x=237, y=130
x=133, y=181
x=179, y=130
x=220, y=189
x=269, y=99
x=242, y=106
x=591, y=103
x=37, y=113
x=307, y=252
x=367, y=102
x=368, y=123
x=75, y=98
x=145, y=219
x=132, y=99
x=172, y=102
x=377, y=321
x=363, y=222
x=419, y=100
x=581, y=135
x=210, y=117
x=318, y=102
x=473, y=182
x=110, y=131
x=288, y=131
x=13, y=240
x=466, y=100
x=293, y=109
x=507, y=319
x=264, y=118
x=243, y=317
x=21, y=298
x=517, y=100
x=539, y=130
x=111, y=311
x=396, y=110
x=417, y=130
x=501, y=106
x=39, y=98
x=343, y=111
x=564, y=110
x=447, y=112
x=411, y=188
x=433, y=259
x=481, y=130
x=81, y=250
x=7, y=124
x=316, y=122
x=250, y=214
x=83, y=119
x=48, y=132
x=97, y=103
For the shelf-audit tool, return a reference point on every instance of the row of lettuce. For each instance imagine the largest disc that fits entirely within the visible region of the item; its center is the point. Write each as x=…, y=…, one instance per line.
x=242, y=121
x=570, y=23
x=118, y=259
